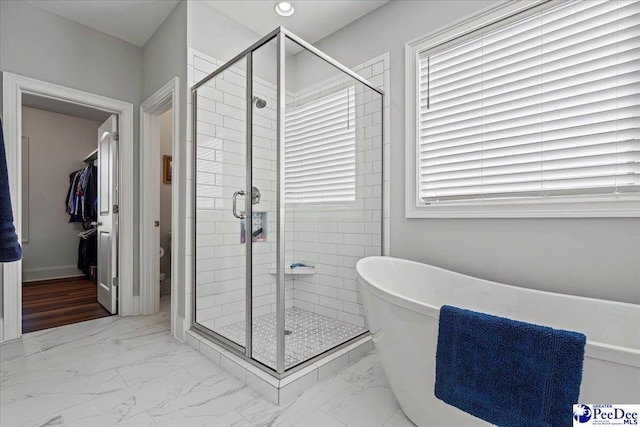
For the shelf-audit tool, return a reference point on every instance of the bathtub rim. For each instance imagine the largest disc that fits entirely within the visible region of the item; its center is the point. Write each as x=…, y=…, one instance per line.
x=593, y=349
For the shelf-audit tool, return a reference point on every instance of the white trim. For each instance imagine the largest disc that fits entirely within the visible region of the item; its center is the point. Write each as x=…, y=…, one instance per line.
x=50, y=273
x=13, y=87
x=25, y=183
x=136, y=305
x=166, y=97
x=55, y=267
x=494, y=13
x=69, y=274
x=576, y=207
x=189, y=237
x=180, y=327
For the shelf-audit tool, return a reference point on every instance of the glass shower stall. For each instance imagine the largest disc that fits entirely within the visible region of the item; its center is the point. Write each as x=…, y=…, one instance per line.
x=288, y=180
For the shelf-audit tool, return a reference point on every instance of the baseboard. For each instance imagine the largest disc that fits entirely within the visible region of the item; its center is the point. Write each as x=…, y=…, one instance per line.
x=50, y=273
x=179, y=328
x=136, y=305
x=281, y=391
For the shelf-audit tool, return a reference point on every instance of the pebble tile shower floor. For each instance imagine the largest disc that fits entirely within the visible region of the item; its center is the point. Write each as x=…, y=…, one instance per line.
x=311, y=334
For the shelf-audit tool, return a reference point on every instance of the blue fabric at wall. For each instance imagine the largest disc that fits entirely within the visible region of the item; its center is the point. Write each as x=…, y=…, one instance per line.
x=506, y=372
x=10, y=249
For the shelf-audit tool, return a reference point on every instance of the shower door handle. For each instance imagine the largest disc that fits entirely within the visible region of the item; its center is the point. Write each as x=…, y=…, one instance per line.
x=240, y=215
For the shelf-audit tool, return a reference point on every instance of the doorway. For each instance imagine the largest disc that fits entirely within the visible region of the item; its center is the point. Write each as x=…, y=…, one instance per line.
x=165, y=197
x=159, y=204
x=67, y=153
x=14, y=89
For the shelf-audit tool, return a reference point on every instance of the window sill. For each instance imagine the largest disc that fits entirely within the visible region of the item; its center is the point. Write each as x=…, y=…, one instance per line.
x=620, y=208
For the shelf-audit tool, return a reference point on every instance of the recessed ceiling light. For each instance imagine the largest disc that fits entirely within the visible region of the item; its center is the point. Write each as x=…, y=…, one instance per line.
x=284, y=8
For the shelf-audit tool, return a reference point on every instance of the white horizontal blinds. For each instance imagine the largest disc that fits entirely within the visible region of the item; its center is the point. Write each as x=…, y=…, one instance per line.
x=547, y=106
x=320, y=150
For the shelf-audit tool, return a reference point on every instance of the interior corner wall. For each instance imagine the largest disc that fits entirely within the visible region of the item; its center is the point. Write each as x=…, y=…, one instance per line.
x=58, y=143
x=164, y=57
x=38, y=44
x=215, y=34
x=592, y=257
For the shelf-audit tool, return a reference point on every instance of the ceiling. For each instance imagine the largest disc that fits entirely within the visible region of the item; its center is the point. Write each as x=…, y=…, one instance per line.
x=133, y=21
x=313, y=20
x=62, y=107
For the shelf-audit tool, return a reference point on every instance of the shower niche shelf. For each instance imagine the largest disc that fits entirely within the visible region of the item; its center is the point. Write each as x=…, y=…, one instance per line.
x=259, y=227
x=297, y=270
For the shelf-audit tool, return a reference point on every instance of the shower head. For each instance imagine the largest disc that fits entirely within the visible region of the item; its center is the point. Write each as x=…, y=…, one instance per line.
x=260, y=103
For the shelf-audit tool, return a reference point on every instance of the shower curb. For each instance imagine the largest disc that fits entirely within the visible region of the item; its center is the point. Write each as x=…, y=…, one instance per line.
x=279, y=391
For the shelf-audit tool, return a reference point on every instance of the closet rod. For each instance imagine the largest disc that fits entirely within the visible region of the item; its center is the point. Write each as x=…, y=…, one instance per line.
x=91, y=157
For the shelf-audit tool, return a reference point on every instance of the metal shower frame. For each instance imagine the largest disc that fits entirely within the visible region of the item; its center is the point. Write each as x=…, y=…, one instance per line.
x=280, y=34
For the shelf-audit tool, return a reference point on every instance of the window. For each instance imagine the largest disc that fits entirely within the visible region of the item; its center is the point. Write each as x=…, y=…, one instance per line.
x=542, y=109
x=320, y=150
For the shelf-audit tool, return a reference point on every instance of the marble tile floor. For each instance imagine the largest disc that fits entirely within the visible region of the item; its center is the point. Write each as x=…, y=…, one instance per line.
x=130, y=372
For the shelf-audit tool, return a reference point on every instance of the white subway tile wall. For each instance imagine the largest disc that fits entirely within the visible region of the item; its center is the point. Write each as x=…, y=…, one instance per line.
x=220, y=172
x=334, y=236
x=330, y=237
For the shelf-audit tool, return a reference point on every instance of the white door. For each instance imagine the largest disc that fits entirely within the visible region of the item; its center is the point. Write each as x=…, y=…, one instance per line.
x=107, y=215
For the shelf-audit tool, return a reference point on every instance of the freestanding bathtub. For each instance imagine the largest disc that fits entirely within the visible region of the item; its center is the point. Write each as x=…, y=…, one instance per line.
x=402, y=301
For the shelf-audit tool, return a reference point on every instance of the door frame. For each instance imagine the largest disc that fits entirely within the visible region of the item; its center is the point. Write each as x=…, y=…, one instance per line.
x=13, y=87
x=168, y=96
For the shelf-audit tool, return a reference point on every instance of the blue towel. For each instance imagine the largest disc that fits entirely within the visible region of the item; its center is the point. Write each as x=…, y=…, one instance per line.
x=506, y=372
x=10, y=249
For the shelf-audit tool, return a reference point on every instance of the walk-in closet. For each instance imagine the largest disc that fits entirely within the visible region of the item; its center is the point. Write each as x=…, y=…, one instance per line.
x=61, y=213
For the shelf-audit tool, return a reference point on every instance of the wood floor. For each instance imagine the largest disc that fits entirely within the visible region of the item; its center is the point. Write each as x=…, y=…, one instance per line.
x=50, y=303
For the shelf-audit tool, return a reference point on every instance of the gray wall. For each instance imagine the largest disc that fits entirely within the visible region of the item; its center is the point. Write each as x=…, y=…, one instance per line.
x=215, y=34
x=164, y=57
x=219, y=36
x=57, y=145
x=38, y=44
x=590, y=257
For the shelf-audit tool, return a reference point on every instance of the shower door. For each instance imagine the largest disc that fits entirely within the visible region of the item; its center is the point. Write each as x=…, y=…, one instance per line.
x=264, y=229
x=236, y=202
x=220, y=297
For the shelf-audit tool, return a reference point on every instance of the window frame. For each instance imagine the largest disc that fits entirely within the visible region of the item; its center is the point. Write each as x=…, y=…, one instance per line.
x=485, y=20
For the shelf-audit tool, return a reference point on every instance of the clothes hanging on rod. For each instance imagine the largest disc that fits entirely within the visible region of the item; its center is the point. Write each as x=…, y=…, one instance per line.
x=82, y=196
x=88, y=253
x=82, y=206
x=86, y=233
